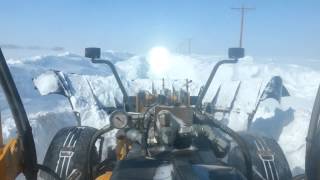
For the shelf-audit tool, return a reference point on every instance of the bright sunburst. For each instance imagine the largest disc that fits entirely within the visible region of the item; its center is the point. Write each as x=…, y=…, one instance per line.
x=158, y=58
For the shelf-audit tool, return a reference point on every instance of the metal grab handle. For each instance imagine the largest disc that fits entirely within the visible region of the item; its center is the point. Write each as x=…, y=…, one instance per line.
x=116, y=75
x=204, y=90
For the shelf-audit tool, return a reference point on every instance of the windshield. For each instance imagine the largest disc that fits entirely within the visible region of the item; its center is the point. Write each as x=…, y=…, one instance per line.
x=165, y=45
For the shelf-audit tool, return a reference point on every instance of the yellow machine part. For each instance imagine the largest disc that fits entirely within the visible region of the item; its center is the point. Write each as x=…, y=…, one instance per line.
x=10, y=160
x=121, y=151
x=105, y=176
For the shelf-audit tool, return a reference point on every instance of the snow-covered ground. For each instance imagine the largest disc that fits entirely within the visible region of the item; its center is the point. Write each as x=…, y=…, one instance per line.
x=286, y=122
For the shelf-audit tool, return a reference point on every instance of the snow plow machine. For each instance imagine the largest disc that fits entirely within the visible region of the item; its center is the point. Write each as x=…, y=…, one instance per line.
x=157, y=136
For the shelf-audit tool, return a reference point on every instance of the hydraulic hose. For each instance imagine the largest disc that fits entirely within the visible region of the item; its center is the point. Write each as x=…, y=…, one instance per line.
x=207, y=119
x=92, y=144
x=220, y=145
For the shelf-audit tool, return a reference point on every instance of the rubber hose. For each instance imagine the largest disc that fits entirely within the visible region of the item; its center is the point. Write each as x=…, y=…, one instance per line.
x=242, y=144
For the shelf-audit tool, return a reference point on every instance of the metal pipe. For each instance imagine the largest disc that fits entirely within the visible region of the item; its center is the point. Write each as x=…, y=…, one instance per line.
x=116, y=75
x=204, y=90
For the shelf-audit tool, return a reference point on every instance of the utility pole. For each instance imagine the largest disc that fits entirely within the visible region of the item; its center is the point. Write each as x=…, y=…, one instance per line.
x=189, y=45
x=243, y=10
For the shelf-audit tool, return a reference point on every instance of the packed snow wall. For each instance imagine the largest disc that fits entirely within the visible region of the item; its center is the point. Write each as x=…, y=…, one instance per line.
x=286, y=122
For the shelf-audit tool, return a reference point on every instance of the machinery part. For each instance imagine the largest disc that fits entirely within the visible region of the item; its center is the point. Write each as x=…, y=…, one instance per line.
x=148, y=120
x=299, y=177
x=313, y=142
x=236, y=53
x=168, y=127
x=170, y=122
x=218, y=144
x=313, y=161
x=134, y=135
x=116, y=75
x=119, y=119
x=105, y=176
x=207, y=119
x=1, y=137
x=67, y=151
x=90, y=153
x=183, y=113
x=275, y=90
x=94, y=54
x=218, y=172
x=268, y=160
x=10, y=160
x=29, y=156
x=175, y=168
x=141, y=168
x=48, y=171
x=204, y=90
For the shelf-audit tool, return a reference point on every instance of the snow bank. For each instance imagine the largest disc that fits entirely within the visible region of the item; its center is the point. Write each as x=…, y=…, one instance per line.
x=47, y=83
x=286, y=122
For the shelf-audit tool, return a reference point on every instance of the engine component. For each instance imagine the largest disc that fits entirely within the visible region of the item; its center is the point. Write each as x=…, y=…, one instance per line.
x=134, y=135
x=185, y=114
x=119, y=119
x=219, y=145
x=167, y=127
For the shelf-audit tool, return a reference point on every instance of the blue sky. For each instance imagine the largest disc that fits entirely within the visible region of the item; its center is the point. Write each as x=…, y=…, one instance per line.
x=276, y=28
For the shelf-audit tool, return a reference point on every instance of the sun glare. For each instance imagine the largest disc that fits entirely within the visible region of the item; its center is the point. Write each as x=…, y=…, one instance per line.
x=158, y=58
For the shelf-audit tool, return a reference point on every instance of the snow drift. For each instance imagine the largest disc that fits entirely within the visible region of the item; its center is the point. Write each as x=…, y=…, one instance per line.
x=286, y=122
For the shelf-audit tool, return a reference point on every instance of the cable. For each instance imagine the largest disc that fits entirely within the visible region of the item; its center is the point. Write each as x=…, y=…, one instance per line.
x=92, y=144
x=242, y=144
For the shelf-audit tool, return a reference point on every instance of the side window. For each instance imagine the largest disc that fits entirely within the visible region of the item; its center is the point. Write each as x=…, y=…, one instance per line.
x=8, y=127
